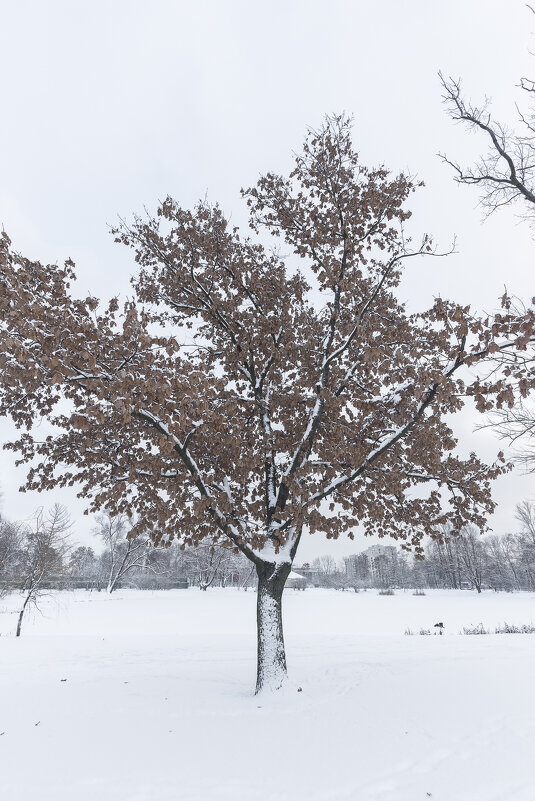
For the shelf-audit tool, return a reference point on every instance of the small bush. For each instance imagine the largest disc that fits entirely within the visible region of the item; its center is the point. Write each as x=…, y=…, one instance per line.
x=418, y=592
x=479, y=629
x=386, y=592
x=508, y=628
x=409, y=632
x=422, y=632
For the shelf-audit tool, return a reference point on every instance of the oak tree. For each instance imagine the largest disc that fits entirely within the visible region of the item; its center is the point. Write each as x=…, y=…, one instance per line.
x=245, y=398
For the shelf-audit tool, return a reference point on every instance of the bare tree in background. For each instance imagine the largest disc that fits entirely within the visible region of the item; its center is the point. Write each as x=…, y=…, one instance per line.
x=45, y=546
x=205, y=563
x=324, y=564
x=83, y=562
x=525, y=515
x=504, y=176
x=123, y=554
x=502, y=555
x=443, y=548
x=473, y=556
x=11, y=535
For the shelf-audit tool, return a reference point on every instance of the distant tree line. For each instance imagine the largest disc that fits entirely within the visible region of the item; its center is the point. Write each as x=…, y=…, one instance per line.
x=504, y=562
x=38, y=555
x=453, y=560
x=138, y=562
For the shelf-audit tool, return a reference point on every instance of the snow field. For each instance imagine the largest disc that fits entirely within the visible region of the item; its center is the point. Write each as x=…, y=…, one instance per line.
x=148, y=697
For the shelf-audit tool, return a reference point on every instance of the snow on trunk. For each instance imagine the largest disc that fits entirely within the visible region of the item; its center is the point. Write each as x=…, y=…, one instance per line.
x=271, y=662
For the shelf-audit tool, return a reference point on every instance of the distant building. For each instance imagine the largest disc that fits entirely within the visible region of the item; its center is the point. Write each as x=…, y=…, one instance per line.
x=376, y=566
x=373, y=551
x=308, y=573
x=296, y=582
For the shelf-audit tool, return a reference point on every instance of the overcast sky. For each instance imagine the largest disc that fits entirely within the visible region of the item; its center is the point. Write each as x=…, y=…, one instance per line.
x=106, y=107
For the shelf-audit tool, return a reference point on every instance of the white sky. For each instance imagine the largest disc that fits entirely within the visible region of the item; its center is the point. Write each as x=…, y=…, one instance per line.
x=107, y=107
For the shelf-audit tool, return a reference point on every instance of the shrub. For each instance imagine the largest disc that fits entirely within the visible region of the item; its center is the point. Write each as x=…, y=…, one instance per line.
x=418, y=592
x=479, y=629
x=386, y=592
x=508, y=628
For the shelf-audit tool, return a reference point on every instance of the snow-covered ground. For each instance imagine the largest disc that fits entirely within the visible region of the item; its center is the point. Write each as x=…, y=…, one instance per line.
x=148, y=697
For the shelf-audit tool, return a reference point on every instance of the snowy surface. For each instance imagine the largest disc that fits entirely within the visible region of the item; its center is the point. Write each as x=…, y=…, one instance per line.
x=148, y=697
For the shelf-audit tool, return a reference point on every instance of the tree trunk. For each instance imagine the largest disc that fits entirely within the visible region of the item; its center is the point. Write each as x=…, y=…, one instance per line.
x=271, y=662
x=21, y=614
x=19, y=623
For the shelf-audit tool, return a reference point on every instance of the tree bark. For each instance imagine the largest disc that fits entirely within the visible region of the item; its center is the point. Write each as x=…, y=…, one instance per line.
x=19, y=622
x=271, y=660
x=21, y=614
